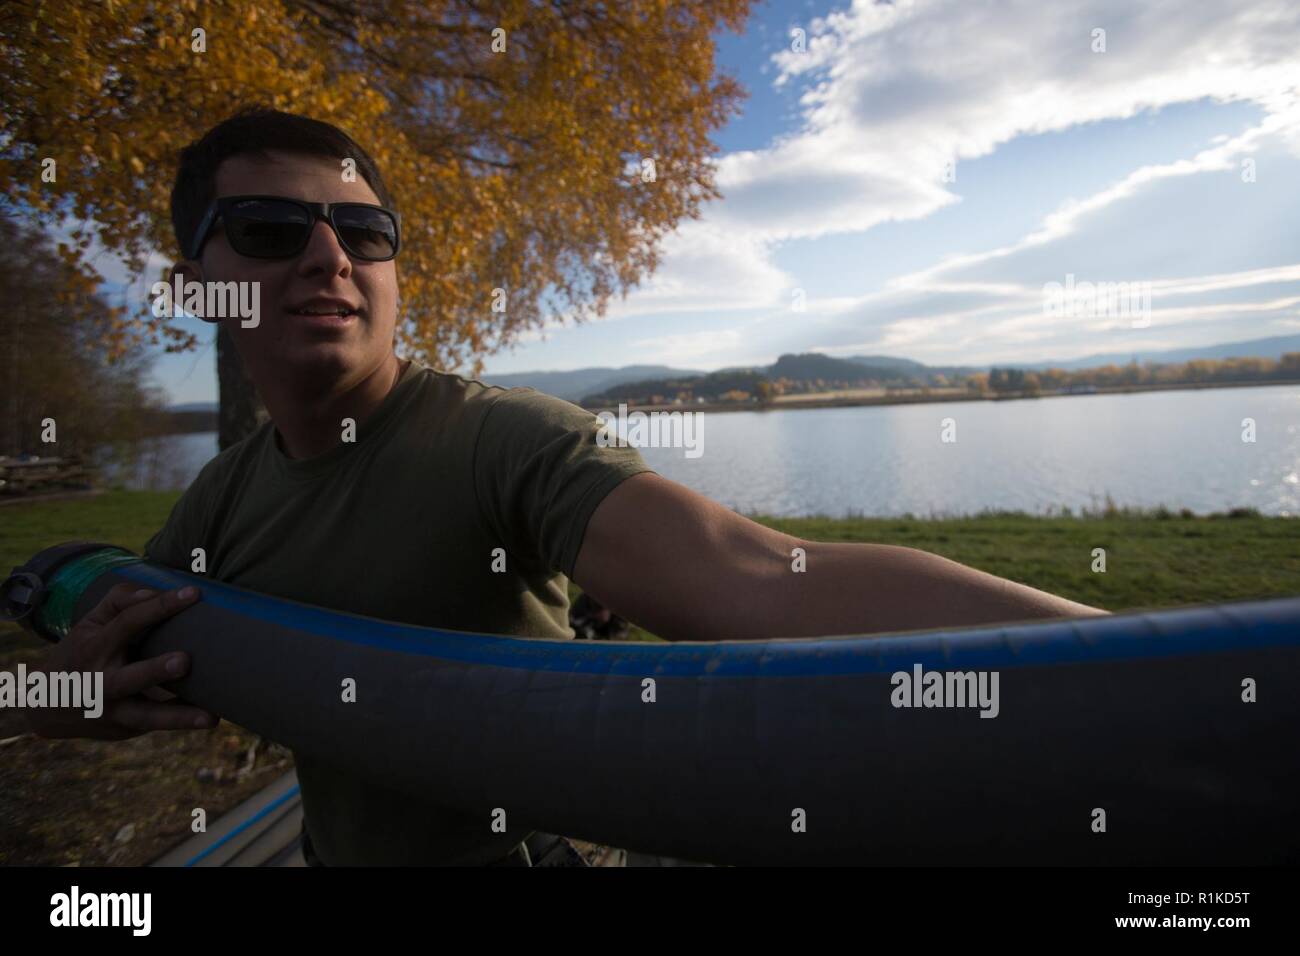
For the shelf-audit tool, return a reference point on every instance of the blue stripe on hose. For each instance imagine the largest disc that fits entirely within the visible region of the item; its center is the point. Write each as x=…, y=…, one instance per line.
x=288, y=795
x=1157, y=634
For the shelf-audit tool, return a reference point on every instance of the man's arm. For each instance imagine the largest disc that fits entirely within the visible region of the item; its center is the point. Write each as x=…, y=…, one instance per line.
x=688, y=569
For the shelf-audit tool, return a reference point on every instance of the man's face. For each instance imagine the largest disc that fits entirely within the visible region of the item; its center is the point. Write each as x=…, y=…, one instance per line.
x=289, y=346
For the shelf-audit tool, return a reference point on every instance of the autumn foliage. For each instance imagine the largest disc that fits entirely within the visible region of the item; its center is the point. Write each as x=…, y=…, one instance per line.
x=513, y=135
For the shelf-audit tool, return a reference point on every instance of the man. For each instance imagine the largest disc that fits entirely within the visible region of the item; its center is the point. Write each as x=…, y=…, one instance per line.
x=382, y=487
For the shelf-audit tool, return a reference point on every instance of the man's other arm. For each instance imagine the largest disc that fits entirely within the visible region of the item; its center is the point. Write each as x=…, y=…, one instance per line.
x=686, y=568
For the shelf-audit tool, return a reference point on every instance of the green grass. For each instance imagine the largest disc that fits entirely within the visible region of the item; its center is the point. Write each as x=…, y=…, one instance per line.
x=1154, y=558
x=125, y=518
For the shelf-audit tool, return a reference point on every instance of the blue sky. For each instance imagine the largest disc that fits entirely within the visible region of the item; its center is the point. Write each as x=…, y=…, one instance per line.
x=1122, y=165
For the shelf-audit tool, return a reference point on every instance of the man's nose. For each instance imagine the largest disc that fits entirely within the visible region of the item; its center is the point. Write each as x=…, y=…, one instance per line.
x=324, y=248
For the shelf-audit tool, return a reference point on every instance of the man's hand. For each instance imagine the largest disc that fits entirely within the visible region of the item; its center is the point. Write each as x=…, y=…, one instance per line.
x=102, y=641
x=688, y=569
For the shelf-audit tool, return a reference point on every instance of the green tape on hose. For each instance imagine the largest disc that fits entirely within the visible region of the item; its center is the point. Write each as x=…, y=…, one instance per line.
x=71, y=580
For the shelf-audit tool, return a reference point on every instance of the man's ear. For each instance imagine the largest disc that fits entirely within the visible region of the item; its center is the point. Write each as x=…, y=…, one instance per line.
x=190, y=271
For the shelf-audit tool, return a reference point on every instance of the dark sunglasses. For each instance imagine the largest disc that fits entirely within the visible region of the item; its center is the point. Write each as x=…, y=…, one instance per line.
x=273, y=227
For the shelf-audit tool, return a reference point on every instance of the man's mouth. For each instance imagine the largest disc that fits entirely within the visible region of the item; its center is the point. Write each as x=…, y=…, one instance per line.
x=328, y=311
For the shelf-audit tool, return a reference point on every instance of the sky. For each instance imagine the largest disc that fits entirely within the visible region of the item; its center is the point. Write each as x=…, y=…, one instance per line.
x=910, y=180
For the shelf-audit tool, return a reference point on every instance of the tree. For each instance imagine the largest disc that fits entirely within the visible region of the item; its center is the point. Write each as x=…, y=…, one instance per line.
x=540, y=147
x=1006, y=379
x=1053, y=378
x=51, y=366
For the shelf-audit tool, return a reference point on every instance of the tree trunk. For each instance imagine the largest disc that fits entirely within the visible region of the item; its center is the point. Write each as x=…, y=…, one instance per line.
x=241, y=410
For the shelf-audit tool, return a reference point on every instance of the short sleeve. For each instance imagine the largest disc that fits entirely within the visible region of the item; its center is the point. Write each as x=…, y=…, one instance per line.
x=539, y=474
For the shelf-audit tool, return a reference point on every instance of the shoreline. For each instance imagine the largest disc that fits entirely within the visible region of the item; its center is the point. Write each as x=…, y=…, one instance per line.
x=922, y=399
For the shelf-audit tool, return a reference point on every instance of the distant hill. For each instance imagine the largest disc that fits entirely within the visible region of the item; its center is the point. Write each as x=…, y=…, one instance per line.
x=1269, y=348
x=881, y=368
x=194, y=407
x=886, y=366
x=595, y=382
x=573, y=385
x=806, y=372
x=815, y=365
x=886, y=361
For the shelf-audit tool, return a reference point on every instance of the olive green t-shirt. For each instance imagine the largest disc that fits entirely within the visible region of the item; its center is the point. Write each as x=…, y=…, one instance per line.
x=401, y=524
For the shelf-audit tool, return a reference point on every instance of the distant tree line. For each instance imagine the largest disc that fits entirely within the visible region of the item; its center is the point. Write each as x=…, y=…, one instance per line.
x=816, y=374
x=1197, y=371
x=790, y=374
x=53, y=364
x=733, y=384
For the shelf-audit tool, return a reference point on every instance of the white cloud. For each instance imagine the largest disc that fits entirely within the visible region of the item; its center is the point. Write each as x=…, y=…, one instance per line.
x=906, y=87
x=710, y=268
x=700, y=349
x=895, y=91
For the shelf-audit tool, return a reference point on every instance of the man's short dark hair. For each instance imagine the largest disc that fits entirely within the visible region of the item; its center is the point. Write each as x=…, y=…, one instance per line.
x=254, y=131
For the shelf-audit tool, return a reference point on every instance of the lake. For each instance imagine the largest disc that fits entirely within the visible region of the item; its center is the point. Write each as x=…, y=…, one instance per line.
x=1182, y=449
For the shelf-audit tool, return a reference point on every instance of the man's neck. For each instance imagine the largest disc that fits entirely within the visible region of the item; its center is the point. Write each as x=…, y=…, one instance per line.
x=310, y=422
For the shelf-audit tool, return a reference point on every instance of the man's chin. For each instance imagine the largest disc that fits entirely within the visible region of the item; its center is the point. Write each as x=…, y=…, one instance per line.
x=318, y=362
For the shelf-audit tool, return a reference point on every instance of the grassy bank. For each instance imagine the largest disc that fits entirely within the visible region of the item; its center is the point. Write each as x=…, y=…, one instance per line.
x=1153, y=558
x=75, y=801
